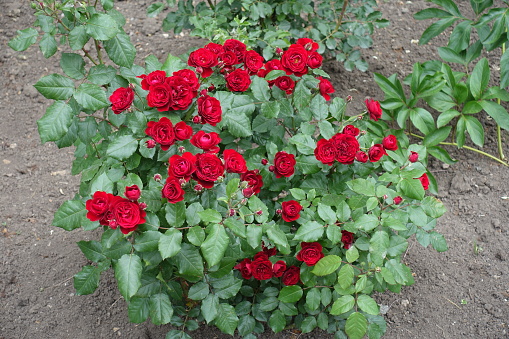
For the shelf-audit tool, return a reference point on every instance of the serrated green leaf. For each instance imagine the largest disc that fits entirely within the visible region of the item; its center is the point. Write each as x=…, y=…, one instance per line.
x=290, y=294
x=270, y=109
x=313, y=298
x=120, y=49
x=378, y=246
x=24, y=38
x=237, y=226
x=196, y=235
x=48, y=45
x=87, y=280
x=304, y=143
x=356, y=325
x=309, y=231
x=412, y=188
x=101, y=74
x=169, y=243
x=128, y=274
x=138, y=309
x=160, y=309
x=92, y=249
x=438, y=242
x=260, y=89
x=210, y=307
x=69, y=216
x=226, y=319
x=342, y=305
x=55, y=122
x=327, y=214
x=367, y=304
x=189, y=261
x=154, y=9
x=175, y=214
x=352, y=254
x=199, y=291
x=101, y=26
x=78, y=37
x=210, y=216
x=55, y=86
x=214, y=246
x=73, y=65
x=326, y=265
x=277, y=321
x=122, y=147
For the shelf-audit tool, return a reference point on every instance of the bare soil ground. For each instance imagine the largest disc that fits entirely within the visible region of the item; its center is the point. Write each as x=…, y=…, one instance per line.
x=462, y=293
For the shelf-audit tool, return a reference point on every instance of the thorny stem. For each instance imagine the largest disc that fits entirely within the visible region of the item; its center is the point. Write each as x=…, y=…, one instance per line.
x=99, y=53
x=89, y=56
x=339, y=22
x=211, y=5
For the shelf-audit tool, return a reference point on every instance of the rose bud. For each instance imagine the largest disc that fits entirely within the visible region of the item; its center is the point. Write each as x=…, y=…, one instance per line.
x=349, y=98
x=198, y=188
x=361, y=156
x=132, y=192
x=385, y=196
x=390, y=143
x=414, y=156
x=397, y=200
x=247, y=192
x=243, y=201
x=211, y=88
x=272, y=168
x=374, y=109
x=203, y=92
x=265, y=162
x=143, y=206
x=259, y=212
x=279, y=211
x=158, y=177
x=199, y=70
x=279, y=51
x=197, y=119
x=232, y=212
x=150, y=143
x=182, y=149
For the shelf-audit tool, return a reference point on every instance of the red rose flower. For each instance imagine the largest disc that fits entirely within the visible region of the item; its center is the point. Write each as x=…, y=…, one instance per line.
x=310, y=253
x=361, y=156
x=228, y=58
x=209, y=109
x=181, y=93
x=314, y=60
x=325, y=88
x=183, y=131
x=414, y=156
x=397, y=200
x=172, y=190
x=374, y=109
x=325, y=151
x=347, y=239
x=376, y=152
x=253, y=62
x=351, y=130
x=98, y=206
x=308, y=44
x=205, y=59
x=160, y=96
x=154, y=78
x=190, y=77
x=121, y=99
x=236, y=47
x=127, y=215
x=216, y=48
x=253, y=179
x=390, y=143
x=424, y=181
x=284, y=164
x=162, y=132
x=208, y=168
x=182, y=167
x=291, y=276
x=206, y=141
x=269, y=251
x=279, y=268
x=234, y=161
x=285, y=83
x=261, y=269
x=290, y=210
x=245, y=268
x=132, y=193
x=238, y=81
x=294, y=60
x=346, y=146
x=261, y=256
x=271, y=65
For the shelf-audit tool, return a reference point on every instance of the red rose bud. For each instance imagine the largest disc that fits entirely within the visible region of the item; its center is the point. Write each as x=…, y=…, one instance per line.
x=143, y=206
x=243, y=201
x=374, y=109
x=279, y=51
x=279, y=211
x=397, y=200
x=132, y=86
x=376, y=152
x=182, y=149
x=182, y=182
x=361, y=156
x=197, y=119
x=199, y=70
x=349, y=98
x=259, y=212
x=150, y=143
x=385, y=196
x=198, y=188
x=279, y=268
x=232, y=212
x=414, y=156
x=211, y=88
x=390, y=143
x=265, y=162
x=203, y=92
x=424, y=181
x=247, y=192
x=132, y=192
x=272, y=168
x=158, y=177
x=347, y=239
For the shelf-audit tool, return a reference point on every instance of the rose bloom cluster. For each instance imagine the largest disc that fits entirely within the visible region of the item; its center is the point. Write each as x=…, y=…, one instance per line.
x=115, y=211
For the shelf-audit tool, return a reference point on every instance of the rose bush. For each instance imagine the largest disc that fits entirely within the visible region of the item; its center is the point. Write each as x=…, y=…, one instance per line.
x=228, y=199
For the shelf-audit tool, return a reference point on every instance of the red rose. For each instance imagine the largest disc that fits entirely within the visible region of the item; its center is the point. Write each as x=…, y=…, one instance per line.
x=183, y=131
x=206, y=141
x=190, y=77
x=361, y=156
x=308, y=44
x=294, y=60
x=424, y=181
x=236, y=47
x=376, y=152
x=291, y=276
x=209, y=109
x=351, y=130
x=238, y=81
x=325, y=151
x=397, y=200
x=261, y=269
x=216, y=48
x=374, y=109
x=121, y=99
x=127, y=214
x=253, y=179
x=310, y=253
x=160, y=96
x=347, y=239
x=172, y=190
x=208, y=168
x=205, y=59
x=228, y=58
x=270, y=66
x=314, y=60
x=346, y=147
x=284, y=164
x=261, y=256
x=162, y=132
x=253, y=61
x=98, y=206
x=234, y=161
x=132, y=193
x=269, y=251
x=414, y=156
x=285, y=83
x=181, y=93
x=390, y=143
x=154, y=78
x=325, y=88
x=290, y=210
x=245, y=268
x=279, y=268
x=182, y=167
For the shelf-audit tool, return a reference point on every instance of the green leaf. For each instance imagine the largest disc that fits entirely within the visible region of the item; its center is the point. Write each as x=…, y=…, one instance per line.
x=226, y=319
x=378, y=246
x=92, y=249
x=367, y=304
x=227, y=287
x=254, y=236
x=277, y=321
x=55, y=123
x=24, y=38
x=352, y=254
x=189, y=261
x=319, y=108
x=210, y=307
x=70, y=215
x=101, y=74
x=431, y=13
x=327, y=214
x=394, y=223
x=176, y=213
x=436, y=136
x=270, y=109
x=298, y=193
x=422, y=119
x=232, y=187
x=475, y=129
x=308, y=324
x=479, y=79
x=122, y=147
x=450, y=55
x=147, y=241
x=192, y=216
x=128, y=274
x=438, y=242
x=313, y=298
x=345, y=276
x=78, y=37
x=196, y=235
x=326, y=265
x=309, y=232
x=397, y=246
x=138, y=310
x=290, y=294
x=210, y=216
x=362, y=186
x=154, y=9
x=260, y=88
x=435, y=29
x=73, y=65
x=173, y=64
x=237, y=226
x=87, y=280
x=215, y=245
x=91, y=97
x=356, y=326
x=48, y=45
x=199, y=291
x=301, y=96
x=170, y=243
x=120, y=49
x=160, y=309
x=101, y=26
x=504, y=70
x=342, y=305
x=497, y=112
x=367, y=222
x=412, y=188
x=55, y=86
x=305, y=144
x=238, y=125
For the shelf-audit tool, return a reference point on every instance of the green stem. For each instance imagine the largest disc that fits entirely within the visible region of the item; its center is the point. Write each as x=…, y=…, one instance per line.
x=499, y=130
x=89, y=56
x=211, y=5
x=99, y=53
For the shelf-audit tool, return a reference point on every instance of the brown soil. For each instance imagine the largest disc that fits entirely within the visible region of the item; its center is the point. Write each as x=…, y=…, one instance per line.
x=462, y=293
